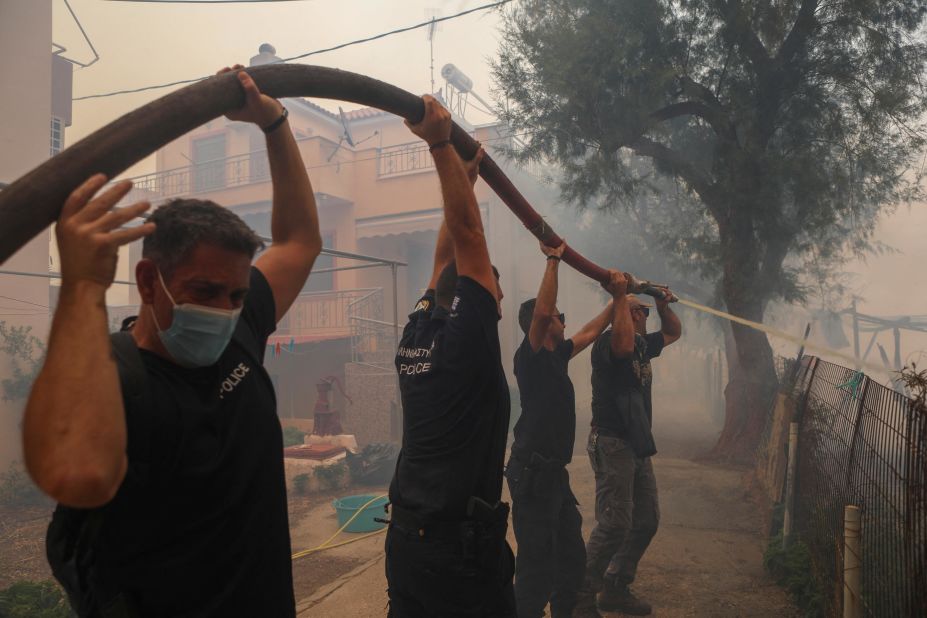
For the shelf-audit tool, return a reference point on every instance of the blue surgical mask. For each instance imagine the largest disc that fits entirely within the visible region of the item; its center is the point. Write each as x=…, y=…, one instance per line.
x=198, y=335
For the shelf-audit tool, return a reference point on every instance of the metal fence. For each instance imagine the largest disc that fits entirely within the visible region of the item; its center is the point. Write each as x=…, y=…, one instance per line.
x=862, y=444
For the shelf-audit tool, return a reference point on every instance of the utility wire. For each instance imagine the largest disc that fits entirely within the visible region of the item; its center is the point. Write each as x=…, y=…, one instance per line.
x=423, y=24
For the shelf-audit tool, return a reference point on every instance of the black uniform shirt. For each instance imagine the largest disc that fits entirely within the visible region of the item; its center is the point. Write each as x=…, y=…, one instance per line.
x=455, y=404
x=204, y=532
x=547, y=424
x=621, y=400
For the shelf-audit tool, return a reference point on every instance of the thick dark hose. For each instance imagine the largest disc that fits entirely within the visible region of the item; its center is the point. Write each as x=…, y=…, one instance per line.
x=33, y=202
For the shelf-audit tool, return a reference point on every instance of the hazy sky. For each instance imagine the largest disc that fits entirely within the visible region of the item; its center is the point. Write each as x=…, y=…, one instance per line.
x=149, y=43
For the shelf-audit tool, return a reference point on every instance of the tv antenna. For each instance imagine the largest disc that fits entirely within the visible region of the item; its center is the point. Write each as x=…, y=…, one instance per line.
x=346, y=135
x=433, y=13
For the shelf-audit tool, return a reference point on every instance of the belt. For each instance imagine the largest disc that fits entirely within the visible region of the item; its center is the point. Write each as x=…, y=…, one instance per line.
x=480, y=514
x=608, y=432
x=534, y=459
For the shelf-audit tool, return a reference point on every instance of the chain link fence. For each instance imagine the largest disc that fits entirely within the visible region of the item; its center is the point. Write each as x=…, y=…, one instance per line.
x=861, y=444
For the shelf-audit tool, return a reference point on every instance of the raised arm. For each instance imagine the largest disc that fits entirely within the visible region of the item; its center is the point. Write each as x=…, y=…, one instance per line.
x=444, y=249
x=294, y=222
x=588, y=333
x=461, y=212
x=74, y=430
x=670, y=325
x=547, y=297
x=621, y=340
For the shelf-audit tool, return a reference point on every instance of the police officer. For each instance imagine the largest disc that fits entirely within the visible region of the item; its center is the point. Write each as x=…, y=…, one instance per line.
x=446, y=553
x=548, y=527
x=620, y=446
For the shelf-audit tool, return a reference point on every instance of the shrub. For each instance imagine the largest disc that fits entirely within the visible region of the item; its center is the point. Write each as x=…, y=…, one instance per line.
x=34, y=600
x=301, y=484
x=330, y=477
x=292, y=436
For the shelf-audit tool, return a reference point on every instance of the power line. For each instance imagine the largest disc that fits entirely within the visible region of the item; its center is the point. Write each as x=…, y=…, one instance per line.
x=307, y=54
x=19, y=300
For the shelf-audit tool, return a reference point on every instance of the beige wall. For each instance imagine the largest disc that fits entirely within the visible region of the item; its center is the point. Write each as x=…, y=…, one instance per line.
x=25, y=110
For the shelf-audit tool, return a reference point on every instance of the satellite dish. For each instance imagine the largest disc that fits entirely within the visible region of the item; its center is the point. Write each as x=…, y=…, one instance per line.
x=347, y=131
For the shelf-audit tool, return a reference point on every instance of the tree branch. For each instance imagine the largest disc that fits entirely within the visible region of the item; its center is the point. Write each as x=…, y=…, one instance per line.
x=682, y=167
x=803, y=27
x=737, y=28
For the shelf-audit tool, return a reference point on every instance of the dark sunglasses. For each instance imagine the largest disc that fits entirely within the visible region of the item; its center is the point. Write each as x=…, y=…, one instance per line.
x=562, y=318
x=644, y=310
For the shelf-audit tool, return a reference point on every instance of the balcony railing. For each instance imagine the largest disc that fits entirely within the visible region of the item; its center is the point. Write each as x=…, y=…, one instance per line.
x=404, y=159
x=234, y=171
x=324, y=313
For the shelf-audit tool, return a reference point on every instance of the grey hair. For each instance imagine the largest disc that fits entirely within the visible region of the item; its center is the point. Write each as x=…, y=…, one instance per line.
x=183, y=224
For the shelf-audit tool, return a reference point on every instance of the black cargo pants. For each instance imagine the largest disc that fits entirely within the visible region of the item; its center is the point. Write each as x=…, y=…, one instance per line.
x=548, y=529
x=449, y=569
x=627, y=512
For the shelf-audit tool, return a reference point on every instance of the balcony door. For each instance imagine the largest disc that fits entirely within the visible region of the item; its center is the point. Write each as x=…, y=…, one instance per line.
x=208, y=163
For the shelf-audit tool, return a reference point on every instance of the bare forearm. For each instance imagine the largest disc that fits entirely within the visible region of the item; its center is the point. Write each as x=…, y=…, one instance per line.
x=74, y=433
x=593, y=328
x=547, y=295
x=622, y=337
x=670, y=325
x=461, y=212
x=294, y=217
x=444, y=253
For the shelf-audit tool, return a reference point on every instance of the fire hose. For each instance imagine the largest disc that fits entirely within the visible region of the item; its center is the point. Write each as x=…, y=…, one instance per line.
x=34, y=201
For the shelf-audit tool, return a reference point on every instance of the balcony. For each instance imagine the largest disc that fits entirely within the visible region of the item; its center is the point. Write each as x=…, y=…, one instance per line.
x=315, y=316
x=403, y=159
x=234, y=171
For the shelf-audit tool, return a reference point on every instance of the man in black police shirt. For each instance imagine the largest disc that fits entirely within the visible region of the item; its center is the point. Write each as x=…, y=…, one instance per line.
x=446, y=553
x=548, y=527
x=193, y=500
x=620, y=446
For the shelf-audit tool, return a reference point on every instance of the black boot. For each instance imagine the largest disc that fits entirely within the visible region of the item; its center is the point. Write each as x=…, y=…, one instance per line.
x=615, y=598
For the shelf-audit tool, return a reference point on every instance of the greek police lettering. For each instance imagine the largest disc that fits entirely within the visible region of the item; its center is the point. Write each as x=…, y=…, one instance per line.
x=235, y=377
x=414, y=368
x=414, y=352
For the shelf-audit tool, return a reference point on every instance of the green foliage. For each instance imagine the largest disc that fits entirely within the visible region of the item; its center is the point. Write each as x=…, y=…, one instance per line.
x=792, y=570
x=331, y=476
x=25, y=352
x=18, y=490
x=759, y=140
x=301, y=484
x=34, y=600
x=292, y=436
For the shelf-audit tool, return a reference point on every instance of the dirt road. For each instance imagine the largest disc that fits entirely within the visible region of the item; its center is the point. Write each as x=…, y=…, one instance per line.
x=706, y=560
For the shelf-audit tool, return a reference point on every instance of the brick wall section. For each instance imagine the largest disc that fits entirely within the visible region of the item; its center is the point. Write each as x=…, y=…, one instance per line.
x=374, y=416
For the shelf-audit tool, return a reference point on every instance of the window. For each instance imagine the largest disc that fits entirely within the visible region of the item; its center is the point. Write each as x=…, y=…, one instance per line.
x=208, y=163
x=57, y=136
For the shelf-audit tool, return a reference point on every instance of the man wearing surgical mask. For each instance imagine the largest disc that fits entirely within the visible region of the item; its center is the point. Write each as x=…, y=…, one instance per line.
x=190, y=485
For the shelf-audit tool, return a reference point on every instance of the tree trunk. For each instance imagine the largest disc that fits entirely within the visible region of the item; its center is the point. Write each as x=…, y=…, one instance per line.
x=752, y=371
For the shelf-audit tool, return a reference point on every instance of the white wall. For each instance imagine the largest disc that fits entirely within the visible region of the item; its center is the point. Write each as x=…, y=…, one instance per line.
x=25, y=116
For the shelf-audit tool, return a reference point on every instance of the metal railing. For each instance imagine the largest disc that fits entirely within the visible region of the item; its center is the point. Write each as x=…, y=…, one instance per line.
x=403, y=159
x=322, y=313
x=373, y=341
x=862, y=444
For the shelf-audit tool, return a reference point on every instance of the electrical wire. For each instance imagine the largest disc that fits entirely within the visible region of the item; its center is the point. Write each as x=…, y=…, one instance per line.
x=96, y=56
x=19, y=300
x=382, y=35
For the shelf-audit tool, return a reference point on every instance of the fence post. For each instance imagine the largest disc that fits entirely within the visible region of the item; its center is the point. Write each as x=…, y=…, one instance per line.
x=790, y=484
x=852, y=562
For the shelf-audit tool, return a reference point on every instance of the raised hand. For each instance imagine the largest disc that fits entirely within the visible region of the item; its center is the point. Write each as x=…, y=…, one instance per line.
x=473, y=165
x=617, y=284
x=259, y=108
x=556, y=252
x=435, y=125
x=89, y=234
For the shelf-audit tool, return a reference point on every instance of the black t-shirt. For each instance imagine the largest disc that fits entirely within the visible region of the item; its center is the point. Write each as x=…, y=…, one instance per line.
x=547, y=424
x=621, y=401
x=204, y=531
x=455, y=403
